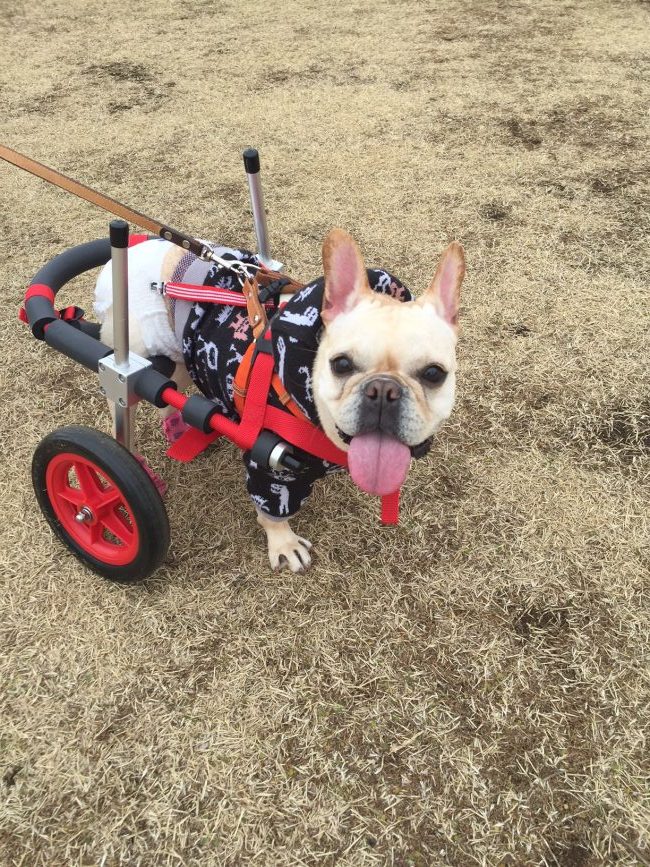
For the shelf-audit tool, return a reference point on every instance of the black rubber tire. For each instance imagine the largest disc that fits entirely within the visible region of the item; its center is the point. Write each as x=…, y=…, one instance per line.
x=147, y=510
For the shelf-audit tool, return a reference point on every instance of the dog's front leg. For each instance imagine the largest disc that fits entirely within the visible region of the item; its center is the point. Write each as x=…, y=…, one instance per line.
x=284, y=544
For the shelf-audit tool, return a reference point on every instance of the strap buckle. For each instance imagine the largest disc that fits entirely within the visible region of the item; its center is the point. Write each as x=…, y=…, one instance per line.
x=273, y=289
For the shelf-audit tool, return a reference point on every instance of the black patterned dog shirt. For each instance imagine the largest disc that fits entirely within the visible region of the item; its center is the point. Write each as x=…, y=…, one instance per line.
x=215, y=338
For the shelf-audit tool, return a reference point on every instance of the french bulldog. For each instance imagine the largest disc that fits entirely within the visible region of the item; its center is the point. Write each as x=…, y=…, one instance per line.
x=375, y=369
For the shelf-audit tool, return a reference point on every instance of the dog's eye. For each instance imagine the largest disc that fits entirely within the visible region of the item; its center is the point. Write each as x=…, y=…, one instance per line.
x=342, y=365
x=433, y=375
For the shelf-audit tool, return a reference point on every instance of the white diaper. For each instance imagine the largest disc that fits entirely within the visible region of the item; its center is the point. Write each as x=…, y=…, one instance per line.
x=146, y=305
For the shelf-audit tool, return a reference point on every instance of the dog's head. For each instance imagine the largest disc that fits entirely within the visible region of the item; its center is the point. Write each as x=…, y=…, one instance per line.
x=385, y=371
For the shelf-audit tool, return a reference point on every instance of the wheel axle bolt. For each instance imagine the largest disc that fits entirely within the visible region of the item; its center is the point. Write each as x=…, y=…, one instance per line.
x=83, y=515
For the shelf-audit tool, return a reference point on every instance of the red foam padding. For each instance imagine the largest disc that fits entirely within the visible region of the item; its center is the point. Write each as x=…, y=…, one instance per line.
x=40, y=289
x=138, y=239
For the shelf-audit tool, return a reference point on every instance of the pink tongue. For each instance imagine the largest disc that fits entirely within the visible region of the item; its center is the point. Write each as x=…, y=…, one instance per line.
x=378, y=463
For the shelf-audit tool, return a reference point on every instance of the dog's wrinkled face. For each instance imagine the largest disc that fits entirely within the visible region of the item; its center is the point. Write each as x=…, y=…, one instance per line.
x=384, y=373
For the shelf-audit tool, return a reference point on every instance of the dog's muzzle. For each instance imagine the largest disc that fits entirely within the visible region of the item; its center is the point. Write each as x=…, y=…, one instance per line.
x=379, y=410
x=380, y=406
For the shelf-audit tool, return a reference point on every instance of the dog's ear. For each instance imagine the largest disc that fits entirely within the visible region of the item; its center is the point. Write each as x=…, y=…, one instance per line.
x=444, y=291
x=346, y=280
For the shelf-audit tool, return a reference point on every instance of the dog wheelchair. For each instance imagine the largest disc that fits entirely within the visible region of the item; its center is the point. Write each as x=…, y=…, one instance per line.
x=96, y=496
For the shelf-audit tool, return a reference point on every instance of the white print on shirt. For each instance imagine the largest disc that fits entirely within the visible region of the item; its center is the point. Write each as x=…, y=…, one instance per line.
x=224, y=314
x=234, y=357
x=304, y=294
x=308, y=318
x=198, y=313
x=309, y=394
x=282, y=352
x=283, y=491
x=211, y=353
x=260, y=502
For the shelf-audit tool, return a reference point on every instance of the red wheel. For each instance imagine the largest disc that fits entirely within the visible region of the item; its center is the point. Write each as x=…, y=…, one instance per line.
x=101, y=503
x=92, y=509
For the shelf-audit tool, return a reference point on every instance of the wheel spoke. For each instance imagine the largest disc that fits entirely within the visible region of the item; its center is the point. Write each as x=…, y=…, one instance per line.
x=88, y=482
x=107, y=501
x=117, y=526
x=75, y=496
x=94, y=533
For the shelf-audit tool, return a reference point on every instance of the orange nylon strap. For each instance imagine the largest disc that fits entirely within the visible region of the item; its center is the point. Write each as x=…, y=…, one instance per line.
x=285, y=398
x=241, y=383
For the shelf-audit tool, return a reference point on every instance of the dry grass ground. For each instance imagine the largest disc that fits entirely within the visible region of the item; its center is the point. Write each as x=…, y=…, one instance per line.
x=468, y=689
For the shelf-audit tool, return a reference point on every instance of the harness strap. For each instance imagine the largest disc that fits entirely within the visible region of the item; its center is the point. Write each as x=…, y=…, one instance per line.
x=211, y=294
x=252, y=418
x=390, y=508
x=256, y=312
x=242, y=379
x=304, y=435
x=259, y=323
x=190, y=444
x=69, y=314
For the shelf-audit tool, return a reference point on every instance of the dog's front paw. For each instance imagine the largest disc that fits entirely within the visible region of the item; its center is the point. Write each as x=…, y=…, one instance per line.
x=294, y=554
x=285, y=547
x=288, y=549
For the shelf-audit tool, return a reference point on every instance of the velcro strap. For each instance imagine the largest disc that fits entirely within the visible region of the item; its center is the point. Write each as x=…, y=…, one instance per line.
x=70, y=314
x=255, y=406
x=304, y=435
x=40, y=290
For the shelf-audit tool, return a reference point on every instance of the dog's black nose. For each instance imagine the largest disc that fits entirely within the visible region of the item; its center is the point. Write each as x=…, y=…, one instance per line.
x=382, y=390
x=381, y=405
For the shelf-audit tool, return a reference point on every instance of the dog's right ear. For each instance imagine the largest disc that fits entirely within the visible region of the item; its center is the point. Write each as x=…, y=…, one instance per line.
x=346, y=280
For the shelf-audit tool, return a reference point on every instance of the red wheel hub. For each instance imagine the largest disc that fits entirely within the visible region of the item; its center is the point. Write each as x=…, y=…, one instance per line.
x=92, y=509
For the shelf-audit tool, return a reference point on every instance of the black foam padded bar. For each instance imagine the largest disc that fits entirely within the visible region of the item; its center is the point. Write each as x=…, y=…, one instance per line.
x=150, y=385
x=58, y=271
x=198, y=411
x=75, y=344
x=40, y=312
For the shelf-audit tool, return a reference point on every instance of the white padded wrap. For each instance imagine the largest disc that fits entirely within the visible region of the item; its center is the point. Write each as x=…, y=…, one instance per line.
x=146, y=306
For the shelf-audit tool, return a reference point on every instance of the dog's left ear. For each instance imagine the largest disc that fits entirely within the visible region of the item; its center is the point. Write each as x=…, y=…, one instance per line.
x=346, y=280
x=444, y=291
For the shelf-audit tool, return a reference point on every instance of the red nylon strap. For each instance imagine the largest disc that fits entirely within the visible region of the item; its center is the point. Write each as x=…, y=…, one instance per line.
x=257, y=395
x=190, y=444
x=390, y=508
x=304, y=435
x=70, y=313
